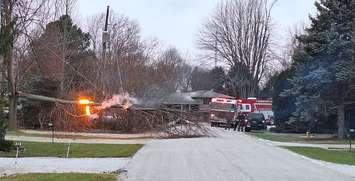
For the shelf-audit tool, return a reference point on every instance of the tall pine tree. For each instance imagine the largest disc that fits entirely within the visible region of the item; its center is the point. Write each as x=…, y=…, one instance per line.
x=323, y=78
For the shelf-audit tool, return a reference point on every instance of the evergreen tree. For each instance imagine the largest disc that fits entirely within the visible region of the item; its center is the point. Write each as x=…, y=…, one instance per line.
x=283, y=105
x=59, y=53
x=217, y=78
x=240, y=82
x=202, y=79
x=321, y=79
x=199, y=79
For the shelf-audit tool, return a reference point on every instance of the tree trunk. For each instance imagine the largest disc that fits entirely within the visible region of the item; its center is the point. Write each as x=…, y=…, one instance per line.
x=12, y=112
x=49, y=99
x=11, y=80
x=11, y=90
x=8, y=39
x=341, y=120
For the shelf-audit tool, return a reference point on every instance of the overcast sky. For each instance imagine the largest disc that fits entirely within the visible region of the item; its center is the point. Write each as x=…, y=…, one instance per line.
x=177, y=22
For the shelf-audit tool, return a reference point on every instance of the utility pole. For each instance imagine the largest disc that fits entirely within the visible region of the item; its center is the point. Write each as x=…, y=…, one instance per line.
x=105, y=39
x=105, y=34
x=120, y=78
x=215, y=52
x=7, y=26
x=215, y=57
x=67, y=7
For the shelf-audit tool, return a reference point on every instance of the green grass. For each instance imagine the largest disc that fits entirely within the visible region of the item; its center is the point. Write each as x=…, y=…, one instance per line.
x=60, y=177
x=62, y=136
x=334, y=156
x=275, y=137
x=37, y=149
x=299, y=138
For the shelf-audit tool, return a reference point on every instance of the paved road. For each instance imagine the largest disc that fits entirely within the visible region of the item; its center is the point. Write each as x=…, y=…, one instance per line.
x=230, y=156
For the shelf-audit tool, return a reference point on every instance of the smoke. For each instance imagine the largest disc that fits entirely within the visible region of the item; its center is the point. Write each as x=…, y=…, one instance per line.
x=119, y=100
x=93, y=116
x=123, y=100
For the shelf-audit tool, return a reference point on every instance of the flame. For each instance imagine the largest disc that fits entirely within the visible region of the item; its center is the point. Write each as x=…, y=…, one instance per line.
x=87, y=104
x=87, y=111
x=124, y=100
x=85, y=101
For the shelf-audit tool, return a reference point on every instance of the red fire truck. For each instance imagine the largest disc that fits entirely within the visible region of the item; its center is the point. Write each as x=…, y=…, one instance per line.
x=223, y=110
x=253, y=105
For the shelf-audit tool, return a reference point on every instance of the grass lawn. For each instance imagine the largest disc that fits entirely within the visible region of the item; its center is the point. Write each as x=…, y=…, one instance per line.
x=37, y=149
x=66, y=135
x=334, y=156
x=60, y=177
x=274, y=137
x=301, y=138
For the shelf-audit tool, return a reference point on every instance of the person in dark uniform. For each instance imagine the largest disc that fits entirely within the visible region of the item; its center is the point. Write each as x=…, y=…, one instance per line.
x=236, y=121
x=228, y=125
x=242, y=122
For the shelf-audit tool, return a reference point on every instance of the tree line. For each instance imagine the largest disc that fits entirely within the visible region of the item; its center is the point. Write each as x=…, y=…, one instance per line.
x=43, y=51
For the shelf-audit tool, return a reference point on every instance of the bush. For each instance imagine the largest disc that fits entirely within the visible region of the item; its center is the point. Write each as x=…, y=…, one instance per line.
x=276, y=130
x=6, y=146
x=325, y=125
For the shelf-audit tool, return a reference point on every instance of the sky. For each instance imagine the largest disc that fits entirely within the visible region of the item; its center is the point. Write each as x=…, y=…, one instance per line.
x=177, y=22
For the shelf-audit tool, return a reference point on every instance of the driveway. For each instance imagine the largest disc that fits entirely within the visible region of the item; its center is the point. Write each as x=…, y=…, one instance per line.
x=229, y=156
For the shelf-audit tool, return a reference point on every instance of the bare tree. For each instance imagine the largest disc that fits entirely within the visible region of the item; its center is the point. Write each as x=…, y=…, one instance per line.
x=123, y=43
x=16, y=18
x=57, y=8
x=239, y=34
x=285, y=59
x=21, y=21
x=185, y=77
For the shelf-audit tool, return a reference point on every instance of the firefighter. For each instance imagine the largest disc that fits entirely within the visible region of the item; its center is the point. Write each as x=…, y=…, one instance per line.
x=236, y=121
x=228, y=124
x=242, y=123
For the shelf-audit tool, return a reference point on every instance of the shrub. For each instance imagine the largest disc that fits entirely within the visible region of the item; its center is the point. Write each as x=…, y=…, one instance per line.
x=6, y=146
x=276, y=130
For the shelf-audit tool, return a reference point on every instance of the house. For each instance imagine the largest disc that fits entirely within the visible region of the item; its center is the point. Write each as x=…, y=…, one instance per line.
x=181, y=101
x=192, y=101
x=205, y=96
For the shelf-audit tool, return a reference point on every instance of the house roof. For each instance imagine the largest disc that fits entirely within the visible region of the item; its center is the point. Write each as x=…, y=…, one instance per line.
x=209, y=94
x=188, y=98
x=180, y=98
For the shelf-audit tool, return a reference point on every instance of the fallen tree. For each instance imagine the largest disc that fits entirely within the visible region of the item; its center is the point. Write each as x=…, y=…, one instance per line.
x=118, y=119
x=166, y=122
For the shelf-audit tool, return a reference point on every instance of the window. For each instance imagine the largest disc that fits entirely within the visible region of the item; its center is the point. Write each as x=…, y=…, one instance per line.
x=247, y=107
